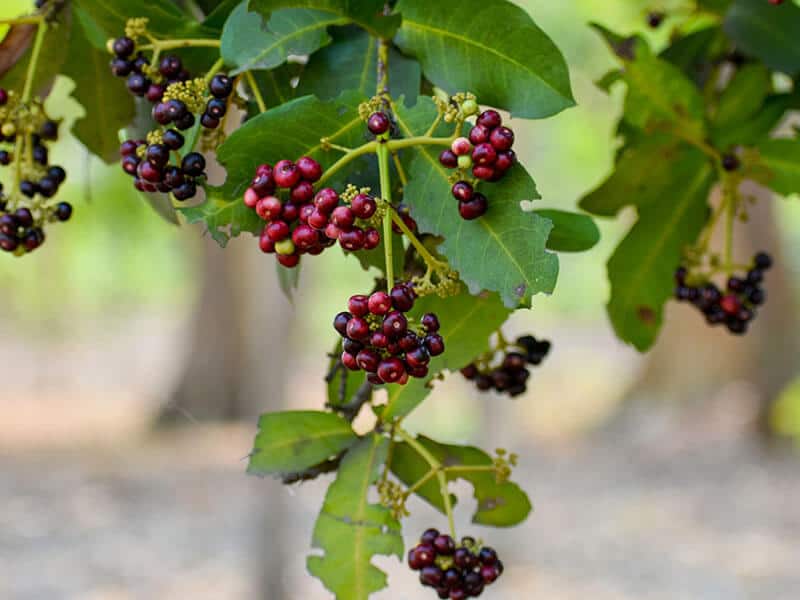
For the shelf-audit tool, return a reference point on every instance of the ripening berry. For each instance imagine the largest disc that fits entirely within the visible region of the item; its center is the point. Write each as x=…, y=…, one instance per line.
x=474, y=208
x=378, y=123
x=464, y=161
x=391, y=370
x=220, y=86
x=461, y=146
x=448, y=159
x=286, y=174
x=363, y=206
x=310, y=170
x=380, y=303
x=502, y=138
x=490, y=119
x=479, y=135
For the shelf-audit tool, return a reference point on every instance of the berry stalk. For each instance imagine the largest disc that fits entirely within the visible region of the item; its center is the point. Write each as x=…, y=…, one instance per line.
x=440, y=475
x=386, y=194
x=161, y=45
x=251, y=81
x=41, y=30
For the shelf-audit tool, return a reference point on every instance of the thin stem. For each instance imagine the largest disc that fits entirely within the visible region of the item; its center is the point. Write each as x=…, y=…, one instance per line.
x=37, y=48
x=440, y=475
x=383, y=68
x=215, y=68
x=27, y=20
x=425, y=479
x=251, y=81
x=434, y=125
x=347, y=158
x=401, y=172
x=470, y=469
x=422, y=140
x=339, y=147
x=731, y=217
x=429, y=259
x=386, y=194
x=186, y=43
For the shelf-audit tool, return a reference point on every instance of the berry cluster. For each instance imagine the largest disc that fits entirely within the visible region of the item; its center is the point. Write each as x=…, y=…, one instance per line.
x=454, y=571
x=177, y=100
x=736, y=307
x=25, y=210
x=307, y=223
x=487, y=153
x=379, y=339
x=510, y=374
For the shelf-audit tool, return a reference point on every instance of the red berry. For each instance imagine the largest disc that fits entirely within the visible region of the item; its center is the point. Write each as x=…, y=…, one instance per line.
x=408, y=342
x=391, y=370
x=435, y=344
x=430, y=322
x=730, y=304
x=444, y=545
x=306, y=210
x=368, y=360
x=128, y=148
x=413, y=562
x=474, y=208
x=350, y=361
x=288, y=260
x=380, y=303
x=372, y=238
x=277, y=231
x=302, y=192
x=290, y=212
x=318, y=220
x=419, y=357
x=502, y=138
x=418, y=372
x=402, y=298
x=490, y=119
x=266, y=244
x=461, y=146
x=340, y=322
x=484, y=154
x=489, y=573
x=462, y=191
x=304, y=237
x=505, y=160
x=310, y=170
x=352, y=240
x=479, y=135
x=269, y=208
x=343, y=217
x=464, y=559
x=363, y=206
x=326, y=200
x=264, y=185
x=265, y=170
x=286, y=174
x=484, y=172
x=379, y=340
x=448, y=159
x=332, y=232
x=359, y=305
x=149, y=172
x=378, y=123
x=357, y=329
x=395, y=324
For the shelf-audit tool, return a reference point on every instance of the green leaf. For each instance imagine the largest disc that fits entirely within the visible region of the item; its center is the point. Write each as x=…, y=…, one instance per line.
x=466, y=324
x=759, y=126
x=661, y=98
x=690, y=53
x=350, y=530
x=642, y=267
x=510, y=64
x=781, y=158
x=572, y=232
x=224, y=218
x=276, y=85
x=108, y=105
x=218, y=14
x=366, y=13
x=503, y=251
x=165, y=19
x=499, y=504
x=288, y=279
x=350, y=63
x=767, y=32
x=744, y=96
x=293, y=129
x=293, y=441
x=644, y=171
x=248, y=44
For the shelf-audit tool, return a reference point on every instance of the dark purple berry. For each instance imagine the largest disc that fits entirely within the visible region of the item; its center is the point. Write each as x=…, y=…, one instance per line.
x=216, y=108
x=474, y=208
x=208, y=121
x=63, y=211
x=121, y=67
x=340, y=322
x=185, y=191
x=448, y=159
x=123, y=47
x=489, y=119
x=462, y=191
x=220, y=86
x=173, y=139
x=378, y=123
x=193, y=164
x=157, y=154
x=138, y=84
x=170, y=66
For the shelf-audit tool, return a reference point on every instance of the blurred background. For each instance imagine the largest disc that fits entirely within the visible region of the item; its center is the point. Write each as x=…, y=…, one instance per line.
x=136, y=356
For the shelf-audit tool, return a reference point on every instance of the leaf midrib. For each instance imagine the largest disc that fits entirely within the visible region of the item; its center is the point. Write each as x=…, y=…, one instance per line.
x=471, y=42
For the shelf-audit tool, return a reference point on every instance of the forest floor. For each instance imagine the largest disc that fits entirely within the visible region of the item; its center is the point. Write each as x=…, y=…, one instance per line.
x=662, y=508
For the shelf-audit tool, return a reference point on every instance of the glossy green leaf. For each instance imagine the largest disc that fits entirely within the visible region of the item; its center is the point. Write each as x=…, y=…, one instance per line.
x=759, y=126
x=466, y=324
x=293, y=129
x=572, y=232
x=642, y=267
x=107, y=103
x=350, y=63
x=165, y=19
x=249, y=44
x=644, y=172
x=366, y=13
x=351, y=531
x=744, y=95
x=277, y=85
x=781, y=159
x=511, y=64
x=499, y=504
x=767, y=32
x=293, y=441
x=503, y=251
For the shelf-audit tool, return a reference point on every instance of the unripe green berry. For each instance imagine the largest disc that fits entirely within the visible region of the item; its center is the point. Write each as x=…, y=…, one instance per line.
x=8, y=129
x=470, y=107
x=465, y=161
x=285, y=246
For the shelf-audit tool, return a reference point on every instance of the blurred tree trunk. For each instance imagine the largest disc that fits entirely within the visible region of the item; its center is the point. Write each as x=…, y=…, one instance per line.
x=694, y=361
